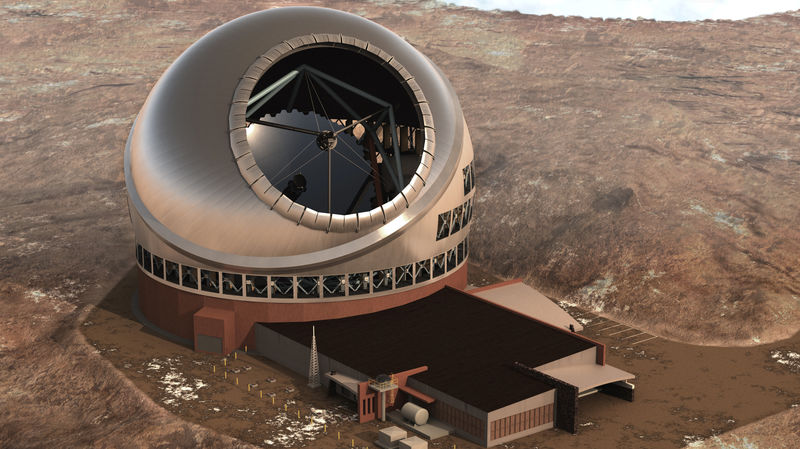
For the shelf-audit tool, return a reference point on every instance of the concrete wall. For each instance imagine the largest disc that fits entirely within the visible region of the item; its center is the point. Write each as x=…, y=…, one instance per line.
x=585, y=357
x=295, y=356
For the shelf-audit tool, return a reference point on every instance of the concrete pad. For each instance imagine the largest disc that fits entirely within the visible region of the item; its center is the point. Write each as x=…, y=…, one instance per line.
x=391, y=434
x=413, y=443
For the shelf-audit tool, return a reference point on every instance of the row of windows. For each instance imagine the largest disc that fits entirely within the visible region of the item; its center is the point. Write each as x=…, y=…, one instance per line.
x=329, y=286
x=454, y=220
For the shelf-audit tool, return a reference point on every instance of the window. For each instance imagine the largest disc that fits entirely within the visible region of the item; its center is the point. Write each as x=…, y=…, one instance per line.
x=158, y=266
x=468, y=178
x=257, y=286
x=438, y=265
x=460, y=252
x=467, y=213
x=451, y=259
x=423, y=271
x=471, y=176
x=172, y=275
x=139, y=254
x=358, y=283
x=443, y=229
x=209, y=281
x=282, y=287
x=146, y=262
x=404, y=275
x=232, y=284
x=333, y=286
x=457, y=215
x=308, y=287
x=188, y=276
x=466, y=247
x=382, y=280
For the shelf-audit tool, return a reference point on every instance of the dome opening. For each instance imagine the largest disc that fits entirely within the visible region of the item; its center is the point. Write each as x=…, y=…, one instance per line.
x=335, y=128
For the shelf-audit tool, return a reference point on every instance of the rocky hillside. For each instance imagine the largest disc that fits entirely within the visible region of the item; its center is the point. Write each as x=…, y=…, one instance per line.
x=646, y=170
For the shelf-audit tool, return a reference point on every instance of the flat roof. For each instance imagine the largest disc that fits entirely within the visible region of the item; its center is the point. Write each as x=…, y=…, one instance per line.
x=523, y=298
x=468, y=344
x=586, y=376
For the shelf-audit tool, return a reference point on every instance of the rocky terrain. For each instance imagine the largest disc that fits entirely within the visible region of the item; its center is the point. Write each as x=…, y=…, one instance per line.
x=645, y=170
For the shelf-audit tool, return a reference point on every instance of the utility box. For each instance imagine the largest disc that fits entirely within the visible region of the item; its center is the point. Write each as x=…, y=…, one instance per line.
x=413, y=443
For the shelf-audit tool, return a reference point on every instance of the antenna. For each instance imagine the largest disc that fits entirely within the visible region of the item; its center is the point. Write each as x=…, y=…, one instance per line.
x=313, y=364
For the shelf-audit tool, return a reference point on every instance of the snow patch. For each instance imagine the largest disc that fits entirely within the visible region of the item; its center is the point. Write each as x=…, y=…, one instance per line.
x=693, y=440
x=564, y=304
x=46, y=87
x=9, y=117
x=782, y=155
x=58, y=298
x=651, y=274
x=292, y=431
x=36, y=295
x=723, y=218
x=594, y=294
x=739, y=443
x=788, y=358
x=175, y=24
x=109, y=122
x=174, y=384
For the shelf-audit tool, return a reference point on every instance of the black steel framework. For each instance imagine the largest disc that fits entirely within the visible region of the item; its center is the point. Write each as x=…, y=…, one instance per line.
x=302, y=287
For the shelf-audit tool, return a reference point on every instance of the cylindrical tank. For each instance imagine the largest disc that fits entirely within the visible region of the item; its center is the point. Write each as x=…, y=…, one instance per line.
x=414, y=413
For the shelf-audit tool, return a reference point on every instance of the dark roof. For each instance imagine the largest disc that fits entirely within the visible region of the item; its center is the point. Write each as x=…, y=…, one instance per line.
x=468, y=344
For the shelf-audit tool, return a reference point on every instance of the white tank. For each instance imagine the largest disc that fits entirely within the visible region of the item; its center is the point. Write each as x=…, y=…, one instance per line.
x=414, y=413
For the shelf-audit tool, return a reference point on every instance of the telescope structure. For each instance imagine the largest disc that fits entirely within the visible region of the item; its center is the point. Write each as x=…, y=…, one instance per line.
x=303, y=168
x=296, y=164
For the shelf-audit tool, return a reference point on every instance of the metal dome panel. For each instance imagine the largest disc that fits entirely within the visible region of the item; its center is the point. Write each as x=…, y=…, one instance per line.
x=194, y=180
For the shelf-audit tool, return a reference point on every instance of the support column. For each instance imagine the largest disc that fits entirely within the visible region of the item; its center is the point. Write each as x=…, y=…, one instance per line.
x=387, y=137
x=403, y=139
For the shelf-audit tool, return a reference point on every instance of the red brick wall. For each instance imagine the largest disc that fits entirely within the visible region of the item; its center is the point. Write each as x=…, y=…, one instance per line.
x=520, y=422
x=172, y=309
x=367, y=403
x=459, y=419
x=216, y=322
x=168, y=308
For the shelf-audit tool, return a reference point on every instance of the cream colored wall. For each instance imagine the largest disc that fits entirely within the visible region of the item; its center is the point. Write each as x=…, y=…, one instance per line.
x=587, y=356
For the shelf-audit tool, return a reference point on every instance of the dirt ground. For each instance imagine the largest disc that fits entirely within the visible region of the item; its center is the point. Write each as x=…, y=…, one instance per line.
x=654, y=182
x=684, y=393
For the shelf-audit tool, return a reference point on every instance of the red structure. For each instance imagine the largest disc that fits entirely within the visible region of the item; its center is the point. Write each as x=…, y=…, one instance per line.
x=189, y=315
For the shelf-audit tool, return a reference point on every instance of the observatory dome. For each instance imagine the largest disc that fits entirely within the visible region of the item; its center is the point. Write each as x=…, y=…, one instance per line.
x=299, y=153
